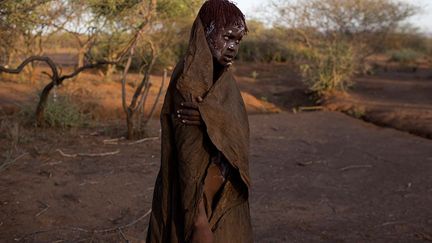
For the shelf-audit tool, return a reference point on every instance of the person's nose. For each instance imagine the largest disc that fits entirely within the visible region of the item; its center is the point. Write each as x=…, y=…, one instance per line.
x=232, y=47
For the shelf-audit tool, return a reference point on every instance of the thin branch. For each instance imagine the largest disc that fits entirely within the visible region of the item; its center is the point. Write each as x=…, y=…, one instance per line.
x=156, y=102
x=86, y=67
x=355, y=167
x=144, y=97
x=87, y=155
x=144, y=140
x=113, y=141
x=133, y=106
x=29, y=60
x=124, y=75
x=43, y=210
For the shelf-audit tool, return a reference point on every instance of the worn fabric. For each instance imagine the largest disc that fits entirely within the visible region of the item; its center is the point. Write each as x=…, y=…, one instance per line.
x=187, y=150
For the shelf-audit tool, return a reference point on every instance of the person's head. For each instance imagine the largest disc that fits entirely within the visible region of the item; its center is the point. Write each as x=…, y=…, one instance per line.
x=225, y=27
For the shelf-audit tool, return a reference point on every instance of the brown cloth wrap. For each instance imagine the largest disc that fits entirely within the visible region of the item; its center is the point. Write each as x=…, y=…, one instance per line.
x=186, y=152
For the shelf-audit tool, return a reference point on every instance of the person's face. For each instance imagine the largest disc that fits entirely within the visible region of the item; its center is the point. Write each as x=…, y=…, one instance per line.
x=224, y=44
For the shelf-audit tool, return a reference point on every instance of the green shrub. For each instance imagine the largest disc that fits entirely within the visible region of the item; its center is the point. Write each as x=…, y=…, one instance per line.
x=329, y=67
x=63, y=113
x=59, y=113
x=264, y=50
x=404, y=56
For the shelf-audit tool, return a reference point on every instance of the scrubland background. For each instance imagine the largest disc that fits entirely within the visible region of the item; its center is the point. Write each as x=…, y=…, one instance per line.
x=82, y=83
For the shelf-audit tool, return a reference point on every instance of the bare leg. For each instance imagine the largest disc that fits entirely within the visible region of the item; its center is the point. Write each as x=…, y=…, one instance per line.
x=212, y=184
x=202, y=232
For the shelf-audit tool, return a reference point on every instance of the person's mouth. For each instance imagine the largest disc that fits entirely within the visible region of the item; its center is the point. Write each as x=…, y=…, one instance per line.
x=228, y=58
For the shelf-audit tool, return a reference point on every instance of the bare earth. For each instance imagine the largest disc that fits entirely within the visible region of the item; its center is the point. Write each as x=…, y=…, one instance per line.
x=401, y=100
x=317, y=177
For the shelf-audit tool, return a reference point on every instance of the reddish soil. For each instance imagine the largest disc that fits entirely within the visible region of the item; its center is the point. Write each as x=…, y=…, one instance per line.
x=392, y=98
x=317, y=177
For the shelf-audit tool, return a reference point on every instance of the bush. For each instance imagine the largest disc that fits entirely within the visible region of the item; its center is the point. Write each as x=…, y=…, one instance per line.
x=404, y=56
x=329, y=67
x=59, y=113
x=256, y=50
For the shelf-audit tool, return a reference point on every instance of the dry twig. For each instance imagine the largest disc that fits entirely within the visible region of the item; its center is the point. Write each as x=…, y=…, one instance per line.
x=391, y=223
x=43, y=210
x=351, y=167
x=143, y=140
x=113, y=141
x=87, y=155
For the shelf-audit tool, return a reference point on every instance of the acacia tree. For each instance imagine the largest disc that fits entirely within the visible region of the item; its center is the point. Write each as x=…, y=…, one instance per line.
x=138, y=29
x=149, y=27
x=155, y=34
x=338, y=35
x=23, y=27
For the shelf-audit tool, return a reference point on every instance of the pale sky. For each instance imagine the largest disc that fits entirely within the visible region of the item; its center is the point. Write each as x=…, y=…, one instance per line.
x=423, y=20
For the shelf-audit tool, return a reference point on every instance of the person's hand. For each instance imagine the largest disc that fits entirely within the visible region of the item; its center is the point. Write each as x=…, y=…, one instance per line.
x=189, y=113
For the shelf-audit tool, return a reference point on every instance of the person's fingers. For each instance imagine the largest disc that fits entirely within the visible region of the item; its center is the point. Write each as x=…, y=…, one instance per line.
x=190, y=118
x=191, y=123
x=188, y=112
x=191, y=105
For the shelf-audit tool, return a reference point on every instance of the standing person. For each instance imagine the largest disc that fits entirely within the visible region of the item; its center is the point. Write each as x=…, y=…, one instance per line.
x=201, y=192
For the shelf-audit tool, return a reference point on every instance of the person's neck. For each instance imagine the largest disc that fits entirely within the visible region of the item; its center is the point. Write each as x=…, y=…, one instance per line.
x=218, y=70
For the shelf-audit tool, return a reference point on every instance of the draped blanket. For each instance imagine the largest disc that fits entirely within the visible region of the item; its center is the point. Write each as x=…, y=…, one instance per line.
x=186, y=152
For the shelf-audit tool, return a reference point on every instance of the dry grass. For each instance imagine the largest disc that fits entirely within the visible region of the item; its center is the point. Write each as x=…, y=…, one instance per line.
x=10, y=138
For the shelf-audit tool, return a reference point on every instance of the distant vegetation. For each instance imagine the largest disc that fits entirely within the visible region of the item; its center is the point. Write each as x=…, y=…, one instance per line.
x=328, y=40
x=404, y=56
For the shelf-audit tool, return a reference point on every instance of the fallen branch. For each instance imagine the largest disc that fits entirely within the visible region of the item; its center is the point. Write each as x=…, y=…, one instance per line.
x=356, y=167
x=123, y=236
x=391, y=223
x=113, y=141
x=43, y=210
x=87, y=155
x=143, y=140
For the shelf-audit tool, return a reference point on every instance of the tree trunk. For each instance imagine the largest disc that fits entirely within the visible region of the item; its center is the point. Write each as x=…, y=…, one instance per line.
x=109, y=73
x=40, y=109
x=110, y=68
x=130, y=125
x=81, y=60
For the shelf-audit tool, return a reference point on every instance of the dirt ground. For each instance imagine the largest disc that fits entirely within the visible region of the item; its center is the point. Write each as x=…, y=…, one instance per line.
x=394, y=98
x=317, y=177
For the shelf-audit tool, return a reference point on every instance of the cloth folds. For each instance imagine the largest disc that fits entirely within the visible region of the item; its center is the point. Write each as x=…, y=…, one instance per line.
x=186, y=152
